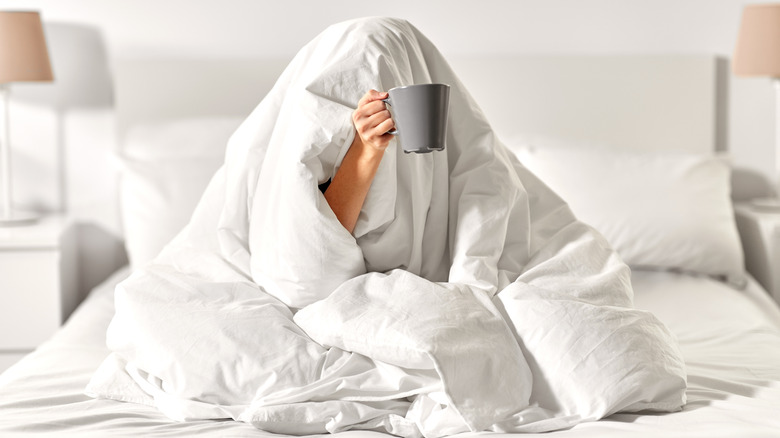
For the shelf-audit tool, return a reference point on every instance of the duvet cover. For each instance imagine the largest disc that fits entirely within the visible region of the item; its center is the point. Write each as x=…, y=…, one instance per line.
x=468, y=298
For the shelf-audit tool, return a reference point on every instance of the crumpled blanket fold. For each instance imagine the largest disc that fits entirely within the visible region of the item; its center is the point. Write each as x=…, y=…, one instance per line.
x=468, y=297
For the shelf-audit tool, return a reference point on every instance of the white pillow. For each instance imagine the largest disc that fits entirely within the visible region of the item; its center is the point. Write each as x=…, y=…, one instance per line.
x=663, y=210
x=165, y=168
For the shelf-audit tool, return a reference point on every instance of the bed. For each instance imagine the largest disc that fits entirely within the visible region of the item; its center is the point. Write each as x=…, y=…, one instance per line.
x=664, y=204
x=733, y=389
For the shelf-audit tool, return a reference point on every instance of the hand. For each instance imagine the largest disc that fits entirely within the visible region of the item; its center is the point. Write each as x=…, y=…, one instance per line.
x=372, y=121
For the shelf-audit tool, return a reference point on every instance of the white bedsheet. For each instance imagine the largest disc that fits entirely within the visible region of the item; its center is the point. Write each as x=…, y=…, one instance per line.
x=730, y=340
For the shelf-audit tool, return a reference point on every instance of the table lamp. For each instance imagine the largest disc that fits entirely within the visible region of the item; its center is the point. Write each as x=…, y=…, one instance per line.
x=23, y=57
x=757, y=53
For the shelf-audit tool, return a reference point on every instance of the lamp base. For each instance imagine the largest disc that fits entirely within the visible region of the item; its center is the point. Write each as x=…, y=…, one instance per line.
x=18, y=219
x=766, y=204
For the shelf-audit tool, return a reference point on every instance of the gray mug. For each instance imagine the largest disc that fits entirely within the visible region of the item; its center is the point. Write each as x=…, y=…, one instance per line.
x=420, y=116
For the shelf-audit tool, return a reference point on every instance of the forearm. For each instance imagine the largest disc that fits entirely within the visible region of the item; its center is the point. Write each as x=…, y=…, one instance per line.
x=349, y=186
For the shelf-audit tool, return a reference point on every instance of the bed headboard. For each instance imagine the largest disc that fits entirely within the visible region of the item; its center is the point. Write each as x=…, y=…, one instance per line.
x=632, y=101
x=160, y=90
x=643, y=102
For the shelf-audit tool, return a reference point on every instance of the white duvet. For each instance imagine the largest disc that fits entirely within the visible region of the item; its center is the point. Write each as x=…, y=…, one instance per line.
x=469, y=297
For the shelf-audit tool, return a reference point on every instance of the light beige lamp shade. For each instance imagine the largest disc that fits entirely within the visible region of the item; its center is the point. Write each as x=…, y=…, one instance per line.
x=23, y=57
x=757, y=53
x=758, y=45
x=23, y=53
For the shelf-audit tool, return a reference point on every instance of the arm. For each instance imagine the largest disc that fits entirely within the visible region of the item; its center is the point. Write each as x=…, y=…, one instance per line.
x=349, y=187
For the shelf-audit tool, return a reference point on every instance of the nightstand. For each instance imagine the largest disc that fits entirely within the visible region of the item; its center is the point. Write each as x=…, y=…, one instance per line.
x=760, y=233
x=38, y=284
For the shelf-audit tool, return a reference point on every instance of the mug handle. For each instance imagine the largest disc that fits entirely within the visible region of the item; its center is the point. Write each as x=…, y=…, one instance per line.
x=392, y=131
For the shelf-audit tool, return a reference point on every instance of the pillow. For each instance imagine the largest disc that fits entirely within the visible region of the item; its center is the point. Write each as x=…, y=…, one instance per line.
x=663, y=210
x=165, y=168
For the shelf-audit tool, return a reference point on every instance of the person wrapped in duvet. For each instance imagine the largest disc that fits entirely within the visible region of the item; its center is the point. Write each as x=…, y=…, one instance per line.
x=466, y=298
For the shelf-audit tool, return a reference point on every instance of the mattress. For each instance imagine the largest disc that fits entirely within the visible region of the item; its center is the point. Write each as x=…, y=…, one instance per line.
x=730, y=340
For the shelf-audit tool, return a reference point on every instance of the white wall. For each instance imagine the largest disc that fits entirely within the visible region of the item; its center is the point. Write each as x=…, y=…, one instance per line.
x=258, y=27
x=253, y=28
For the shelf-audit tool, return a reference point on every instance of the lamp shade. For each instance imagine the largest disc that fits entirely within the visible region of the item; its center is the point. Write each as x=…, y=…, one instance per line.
x=758, y=45
x=23, y=52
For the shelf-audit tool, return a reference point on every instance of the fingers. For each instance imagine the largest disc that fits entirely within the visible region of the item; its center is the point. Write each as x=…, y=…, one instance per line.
x=372, y=107
x=384, y=127
x=375, y=110
x=372, y=95
x=372, y=120
x=373, y=126
x=369, y=118
x=377, y=118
